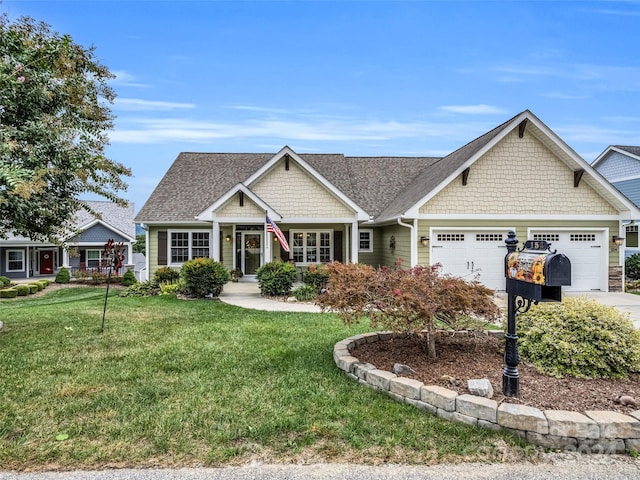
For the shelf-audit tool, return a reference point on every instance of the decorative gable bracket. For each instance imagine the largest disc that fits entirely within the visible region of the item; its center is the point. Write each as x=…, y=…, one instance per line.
x=465, y=176
x=577, y=176
x=521, y=127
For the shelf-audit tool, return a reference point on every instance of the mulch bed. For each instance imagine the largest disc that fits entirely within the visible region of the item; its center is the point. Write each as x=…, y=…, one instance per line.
x=461, y=357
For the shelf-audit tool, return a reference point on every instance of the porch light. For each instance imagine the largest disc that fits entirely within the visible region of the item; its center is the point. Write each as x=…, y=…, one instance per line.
x=618, y=240
x=228, y=238
x=424, y=241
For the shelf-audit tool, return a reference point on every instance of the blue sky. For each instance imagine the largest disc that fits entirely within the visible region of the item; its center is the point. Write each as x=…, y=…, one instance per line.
x=360, y=78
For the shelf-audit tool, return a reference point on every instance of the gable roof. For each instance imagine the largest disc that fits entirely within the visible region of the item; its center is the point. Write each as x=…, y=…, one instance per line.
x=630, y=151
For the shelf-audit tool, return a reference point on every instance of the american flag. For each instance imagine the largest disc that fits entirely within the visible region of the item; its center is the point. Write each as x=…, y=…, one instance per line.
x=273, y=228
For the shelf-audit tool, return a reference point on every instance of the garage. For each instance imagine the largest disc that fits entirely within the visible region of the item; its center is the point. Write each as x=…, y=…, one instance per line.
x=480, y=254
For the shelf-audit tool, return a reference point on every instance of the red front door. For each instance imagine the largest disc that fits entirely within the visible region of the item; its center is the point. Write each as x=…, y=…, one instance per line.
x=46, y=262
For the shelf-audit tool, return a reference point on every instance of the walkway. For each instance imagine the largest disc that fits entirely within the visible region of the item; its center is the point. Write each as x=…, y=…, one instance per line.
x=247, y=295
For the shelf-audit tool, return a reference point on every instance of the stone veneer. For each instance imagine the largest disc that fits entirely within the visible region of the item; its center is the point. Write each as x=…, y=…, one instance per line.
x=592, y=432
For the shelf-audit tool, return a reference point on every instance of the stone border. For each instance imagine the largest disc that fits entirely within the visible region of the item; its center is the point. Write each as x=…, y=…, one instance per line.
x=595, y=431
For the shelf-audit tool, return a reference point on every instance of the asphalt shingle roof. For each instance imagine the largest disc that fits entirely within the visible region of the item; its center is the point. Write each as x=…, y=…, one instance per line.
x=631, y=149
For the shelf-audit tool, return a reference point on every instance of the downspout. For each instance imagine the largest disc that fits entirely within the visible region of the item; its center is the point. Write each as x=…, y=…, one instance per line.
x=413, y=244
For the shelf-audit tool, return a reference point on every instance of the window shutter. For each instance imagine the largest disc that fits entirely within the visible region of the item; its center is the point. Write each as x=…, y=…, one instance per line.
x=83, y=256
x=284, y=256
x=162, y=248
x=337, y=246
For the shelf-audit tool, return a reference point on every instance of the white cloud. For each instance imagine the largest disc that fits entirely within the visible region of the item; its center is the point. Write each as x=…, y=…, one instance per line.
x=480, y=109
x=126, y=79
x=136, y=104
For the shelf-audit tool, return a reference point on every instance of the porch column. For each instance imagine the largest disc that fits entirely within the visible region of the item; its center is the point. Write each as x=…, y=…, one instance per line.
x=27, y=262
x=355, y=241
x=267, y=245
x=216, y=241
x=65, y=258
x=129, y=254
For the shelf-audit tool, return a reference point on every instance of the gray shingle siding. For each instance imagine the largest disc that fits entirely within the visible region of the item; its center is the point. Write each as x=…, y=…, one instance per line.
x=617, y=165
x=100, y=233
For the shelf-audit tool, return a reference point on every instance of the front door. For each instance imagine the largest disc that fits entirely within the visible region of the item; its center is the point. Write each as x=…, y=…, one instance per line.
x=46, y=262
x=251, y=252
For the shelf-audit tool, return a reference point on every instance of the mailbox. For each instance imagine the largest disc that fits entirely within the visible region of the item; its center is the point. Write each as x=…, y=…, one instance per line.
x=536, y=272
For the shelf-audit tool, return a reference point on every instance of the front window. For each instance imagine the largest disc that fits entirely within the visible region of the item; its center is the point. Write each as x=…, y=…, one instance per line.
x=366, y=240
x=93, y=258
x=15, y=260
x=312, y=246
x=189, y=245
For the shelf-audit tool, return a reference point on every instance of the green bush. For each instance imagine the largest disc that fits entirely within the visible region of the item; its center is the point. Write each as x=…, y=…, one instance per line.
x=38, y=286
x=45, y=281
x=276, y=278
x=305, y=293
x=316, y=276
x=8, y=293
x=63, y=276
x=33, y=287
x=128, y=278
x=42, y=283
x=141, y=289
x=4, y=281
x=632, y=266
x=581, y=338
x=170, y=289
x=203, y=277
x=23, y=290
x=166, y=275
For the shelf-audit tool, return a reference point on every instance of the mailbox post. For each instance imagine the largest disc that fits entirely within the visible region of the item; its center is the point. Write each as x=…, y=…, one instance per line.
x=534, y=274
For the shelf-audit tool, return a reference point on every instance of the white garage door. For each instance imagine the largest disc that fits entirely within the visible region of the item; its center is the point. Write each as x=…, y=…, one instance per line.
x=587, y=252
x=471, y=254
x=480, y=254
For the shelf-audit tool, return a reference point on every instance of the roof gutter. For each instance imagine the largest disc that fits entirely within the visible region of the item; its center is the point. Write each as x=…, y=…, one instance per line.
x=413, y=244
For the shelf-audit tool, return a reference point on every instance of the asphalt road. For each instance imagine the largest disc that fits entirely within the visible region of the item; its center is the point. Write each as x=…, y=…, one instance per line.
x=552, y=467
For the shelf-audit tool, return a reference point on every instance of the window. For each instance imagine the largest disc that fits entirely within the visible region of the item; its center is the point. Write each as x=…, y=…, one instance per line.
x=450, y=237
x=188, y=245
x=312, y=246
x=366, y=241
x=93, y=258
x=15, y=260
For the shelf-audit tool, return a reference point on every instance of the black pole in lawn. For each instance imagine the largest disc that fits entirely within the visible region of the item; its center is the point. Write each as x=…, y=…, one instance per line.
x=113, y=256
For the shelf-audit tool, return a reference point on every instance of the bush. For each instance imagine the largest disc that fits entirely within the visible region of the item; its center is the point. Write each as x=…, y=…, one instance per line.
x=632, y=266
x=23, y=290
x=33, y=288
x=63, y=276
x=414, y=301
x=202, y=277
x=45, y=281
x=166, y=275
x=170, y=289
x=128, y=278
x=316, y=276
x=581, y=338
x=4, y=281
x=8, y=293
x=141, y=289
x=306, y=293
x=276, y=278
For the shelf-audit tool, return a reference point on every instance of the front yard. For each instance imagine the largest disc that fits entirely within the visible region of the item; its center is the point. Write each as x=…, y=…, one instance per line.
x=174, y=382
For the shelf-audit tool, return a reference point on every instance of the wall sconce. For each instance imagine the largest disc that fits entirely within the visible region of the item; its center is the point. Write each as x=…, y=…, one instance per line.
x=618, y=240
x=228, y=238
x=392, y=242
x=424, y=241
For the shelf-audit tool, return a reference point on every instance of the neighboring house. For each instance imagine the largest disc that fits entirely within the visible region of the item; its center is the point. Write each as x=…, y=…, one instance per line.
x=140, y=267
x=455, y=210
x=25, y=258
x=621, y=166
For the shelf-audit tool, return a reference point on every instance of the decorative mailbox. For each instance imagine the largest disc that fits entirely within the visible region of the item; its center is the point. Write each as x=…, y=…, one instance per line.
x=537, y=273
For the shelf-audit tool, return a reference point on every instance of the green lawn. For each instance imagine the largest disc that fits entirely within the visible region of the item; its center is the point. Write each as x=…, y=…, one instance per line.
x=174, y=382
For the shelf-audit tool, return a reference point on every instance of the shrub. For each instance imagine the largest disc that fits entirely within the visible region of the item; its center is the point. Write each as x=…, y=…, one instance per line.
x=23, y=290
x=276, y=278
x=38, y=286
x=170, y=289
x=4, y=281
x=414, y=301
x=8, y=293
x=305, y=293
x=45, y=281
x=316, y=276
x=33, y=288
x=128, y=278
x=581, y=338
x=632, y=266
x=42, y=283
x=63, y=276
x=166, y=275
x=141, y=289
x=202, y=277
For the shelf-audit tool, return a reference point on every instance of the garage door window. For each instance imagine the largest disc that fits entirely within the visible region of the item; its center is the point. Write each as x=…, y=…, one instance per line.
x=547, y=237
x=489, y=237
x=450, y=237
x=583, y=237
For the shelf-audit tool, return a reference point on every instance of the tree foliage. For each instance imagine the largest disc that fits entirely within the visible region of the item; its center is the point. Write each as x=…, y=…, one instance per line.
x=54, y=115
x=417, y=300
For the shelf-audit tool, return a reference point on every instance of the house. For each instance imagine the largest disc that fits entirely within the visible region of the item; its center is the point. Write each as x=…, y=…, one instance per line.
x=621, y=166
x=25, y=258
x=455, y=210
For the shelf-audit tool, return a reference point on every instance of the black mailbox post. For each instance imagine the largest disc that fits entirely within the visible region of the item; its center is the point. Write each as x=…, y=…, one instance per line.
x=534, y=274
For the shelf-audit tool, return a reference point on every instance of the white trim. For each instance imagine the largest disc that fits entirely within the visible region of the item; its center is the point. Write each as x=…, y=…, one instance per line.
x=352, y=241
x=304, y=247
x=24, y=260
x=87, y=226
x=315, y=220
x=624, y=179
x=170, y=263
x=511, y=217
x=286, y=150
x=209, y=212
x=611, y=148
x=370, y=232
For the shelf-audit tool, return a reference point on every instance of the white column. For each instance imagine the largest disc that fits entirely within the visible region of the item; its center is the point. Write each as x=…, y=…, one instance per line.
x=267, y=246
x=65, y=258
x=355, y=241
x=216, y=241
